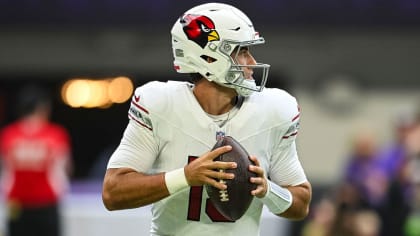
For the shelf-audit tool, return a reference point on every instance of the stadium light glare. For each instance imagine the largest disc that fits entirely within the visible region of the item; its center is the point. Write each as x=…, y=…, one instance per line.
x=96, y=93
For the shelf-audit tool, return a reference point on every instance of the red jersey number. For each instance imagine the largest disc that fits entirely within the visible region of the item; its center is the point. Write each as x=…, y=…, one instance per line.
x=194, y=205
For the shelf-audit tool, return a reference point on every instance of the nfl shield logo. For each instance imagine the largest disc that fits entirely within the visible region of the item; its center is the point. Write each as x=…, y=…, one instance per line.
x=219, y=135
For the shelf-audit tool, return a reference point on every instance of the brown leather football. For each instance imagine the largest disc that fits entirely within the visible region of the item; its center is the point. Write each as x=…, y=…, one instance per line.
x=235, y=200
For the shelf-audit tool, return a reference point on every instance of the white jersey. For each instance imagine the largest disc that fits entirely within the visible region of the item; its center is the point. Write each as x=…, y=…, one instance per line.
x=168, y=128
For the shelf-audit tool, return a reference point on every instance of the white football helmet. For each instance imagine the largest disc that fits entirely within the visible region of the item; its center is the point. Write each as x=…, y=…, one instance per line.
x=215, y=30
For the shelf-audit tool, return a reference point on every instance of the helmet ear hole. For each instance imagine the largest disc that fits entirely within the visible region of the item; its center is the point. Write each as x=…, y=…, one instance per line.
x=208, y=59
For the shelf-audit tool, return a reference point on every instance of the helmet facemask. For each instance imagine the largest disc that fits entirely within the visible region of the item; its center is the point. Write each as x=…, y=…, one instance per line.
x=236, y=76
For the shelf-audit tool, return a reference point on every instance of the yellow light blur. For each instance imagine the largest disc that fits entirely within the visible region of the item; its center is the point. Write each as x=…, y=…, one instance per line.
x=77, y=93
x=89, y=93
x=64, y=91
x=120, y=89
x=97, y=93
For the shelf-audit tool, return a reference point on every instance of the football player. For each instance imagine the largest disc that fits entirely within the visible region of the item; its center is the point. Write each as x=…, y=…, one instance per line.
x=164, y=159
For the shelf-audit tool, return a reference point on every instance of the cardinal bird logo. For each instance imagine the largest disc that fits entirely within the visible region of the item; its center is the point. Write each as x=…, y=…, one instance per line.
x=199, y=29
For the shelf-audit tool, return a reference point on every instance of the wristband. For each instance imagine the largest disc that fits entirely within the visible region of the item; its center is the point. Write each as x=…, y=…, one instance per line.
x=175, y=180
x=277, y=199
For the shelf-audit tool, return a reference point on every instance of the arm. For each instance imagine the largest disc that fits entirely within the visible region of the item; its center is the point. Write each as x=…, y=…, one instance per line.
x=125, y=188
x=288, y=192
x=301, y=194
x=126, y=184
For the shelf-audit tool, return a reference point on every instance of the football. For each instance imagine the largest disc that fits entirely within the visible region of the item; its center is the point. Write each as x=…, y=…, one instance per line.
x=233, y=202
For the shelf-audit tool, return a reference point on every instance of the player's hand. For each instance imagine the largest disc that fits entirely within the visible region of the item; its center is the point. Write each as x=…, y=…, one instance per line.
x=260, y=180
x=203, y=170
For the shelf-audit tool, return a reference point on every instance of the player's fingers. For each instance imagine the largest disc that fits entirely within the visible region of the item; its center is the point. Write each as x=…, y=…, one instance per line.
x=219, y=151
x=220, y=174
x=261, y=189
x=255, y=160
x=259, y=192
x=223, y=165
x=257, y=170
x=257, y=180
x=257, y=167
x=220, y=184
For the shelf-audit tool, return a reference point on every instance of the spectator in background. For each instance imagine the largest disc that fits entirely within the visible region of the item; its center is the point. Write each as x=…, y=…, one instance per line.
x=364, y=171
x=35, y=155
x=353, y=216
x=366, y=223
x=394, y=154
x=397, y=203
x=342, y=215
x=352, y=209
x=320, y=222
x=412, y=173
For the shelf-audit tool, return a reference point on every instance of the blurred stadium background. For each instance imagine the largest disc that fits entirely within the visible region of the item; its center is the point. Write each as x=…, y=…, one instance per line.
x=352, y=64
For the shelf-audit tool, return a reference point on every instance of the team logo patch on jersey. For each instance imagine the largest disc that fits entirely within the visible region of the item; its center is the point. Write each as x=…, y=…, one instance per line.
x=219, y=135
x=140, y=115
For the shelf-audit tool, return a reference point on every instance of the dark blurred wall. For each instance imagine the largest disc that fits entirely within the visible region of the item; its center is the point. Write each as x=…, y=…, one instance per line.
x=132, y=13
x=376, y=40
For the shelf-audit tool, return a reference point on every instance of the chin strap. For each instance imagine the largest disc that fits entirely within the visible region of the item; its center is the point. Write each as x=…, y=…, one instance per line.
x=247, y=88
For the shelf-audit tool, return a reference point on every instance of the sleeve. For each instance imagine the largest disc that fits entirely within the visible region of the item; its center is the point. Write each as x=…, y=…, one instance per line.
x=285, y=167
x=138, y=148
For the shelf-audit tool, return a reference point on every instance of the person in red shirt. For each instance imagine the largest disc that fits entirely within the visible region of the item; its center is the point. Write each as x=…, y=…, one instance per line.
x=35, y=163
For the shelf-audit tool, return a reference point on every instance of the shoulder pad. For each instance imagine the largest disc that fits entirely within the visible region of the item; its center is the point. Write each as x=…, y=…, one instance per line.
x=280, y=104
